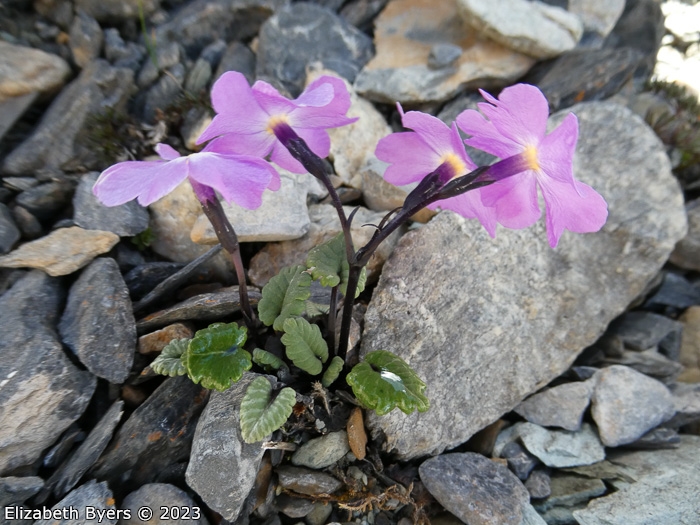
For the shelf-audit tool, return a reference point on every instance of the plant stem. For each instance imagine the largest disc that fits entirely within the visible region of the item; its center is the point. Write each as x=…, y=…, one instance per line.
x=332, y=312
x=349, y=302
x=229, y=240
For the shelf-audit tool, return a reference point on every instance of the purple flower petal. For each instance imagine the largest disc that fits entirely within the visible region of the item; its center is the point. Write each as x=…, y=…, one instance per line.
x=431, y=130
x=469, y=205
x=318, y=94
x=240, y=179
x=458, y=148
x=514, y=200
x=580, y=209
x=520, y=114
x=556, y=152
x=146, y=180
x=257, y=145
x=485, y=136
x=410, y=158
x=166, y=152
x=317, y=139
x=281, y=156
x=270, y=99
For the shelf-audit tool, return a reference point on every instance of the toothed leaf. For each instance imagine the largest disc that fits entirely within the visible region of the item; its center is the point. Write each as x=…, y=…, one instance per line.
x=259, y=415
x=267, y=360
x=332, y=372
x=383, y=381
x=215, y=356
x=284, y=296
x=169, y=362
x=328, y=263
x=305, y=345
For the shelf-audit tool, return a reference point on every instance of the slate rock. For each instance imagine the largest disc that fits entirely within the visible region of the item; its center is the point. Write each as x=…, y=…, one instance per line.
x=555, y=448
x=45, y=200
x=464, y=334
x=586, y=75
x=560, y=406
x=143, y=278
x=538, y=484
x=283, y=214
x=158, y=495
x=323, y=451
x=203, y=307
x=9, y=234
x=533, y=28
x=11, y=109
x=687, y=252
x=690, y=345
x=664, y=491
x=569, y=490
x=92, y=494
x=237, y=57
x=657, y=439
x=98, y=323
x=405, y=34
x=519, y=461
x=198, y=76
x=154, y=342
x=42, y=391
x=640, y=26
x=475, y=489
x=126, y=220
x=27, y=223
x=324, y=226
x=157, y=435
x=167, y=55
x=27, y=70
x=111, y=10
x=443, y=55
x=164, y=92
x=16, y=490
x=626, y=404
x=650, y=363
x=293, y=507
x=302, y=33
x=60, y=139
x=643, y=330
x=86, y=38
x=598, y=17
x=686, y=403
x=222, y=466
x=120, y=53
x=305, y=481
x=68, y=475
x=676, y=292
x=201, y=22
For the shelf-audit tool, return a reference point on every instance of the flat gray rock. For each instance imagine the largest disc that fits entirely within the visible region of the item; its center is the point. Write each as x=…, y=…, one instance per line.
x=406, y=34
x=627, y=404
x=560, y=406
x=68, y=475
x=222, y=466
x=534, y=28
x=126, y=220
x=179, y=509
x=109, y=10
x=665, y=491
x=9, y=233
x=98, y=322
x=492, y=330
x=555, y=448
x=687, y=252
x=323, y=451
x=305, y=481
x=302, y=33
x=86, y=38
x=475, y=489
x=41, y=392
x=16, y=490
x=59, y=140
x=74, y=507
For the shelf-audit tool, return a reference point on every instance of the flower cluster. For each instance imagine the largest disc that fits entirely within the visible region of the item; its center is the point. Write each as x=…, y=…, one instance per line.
x=257, y=123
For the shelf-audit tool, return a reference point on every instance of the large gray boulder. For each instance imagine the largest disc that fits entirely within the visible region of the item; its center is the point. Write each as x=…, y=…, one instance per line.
x=486, y=322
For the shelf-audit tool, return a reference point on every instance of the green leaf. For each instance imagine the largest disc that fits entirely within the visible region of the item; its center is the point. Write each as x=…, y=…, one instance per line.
x=305, y=345
x=333, y=371
x=259, y=416
x=267, y=360
x=169, y=362
x=328, y=263
x=215, y=356
x=284, y=296
x=383, y=381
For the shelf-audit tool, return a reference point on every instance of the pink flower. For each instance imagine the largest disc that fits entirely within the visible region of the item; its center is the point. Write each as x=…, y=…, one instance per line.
x=515, y=130
x=433, y=147
x=255, y=121
x=238, y=178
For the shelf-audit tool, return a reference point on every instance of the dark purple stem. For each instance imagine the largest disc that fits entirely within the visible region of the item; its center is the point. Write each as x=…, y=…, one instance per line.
x=229, y=240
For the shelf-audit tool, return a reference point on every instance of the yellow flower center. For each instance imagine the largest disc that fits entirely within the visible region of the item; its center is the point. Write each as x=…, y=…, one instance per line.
x=457, y=165
x=530, y=154
x=274, y=121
